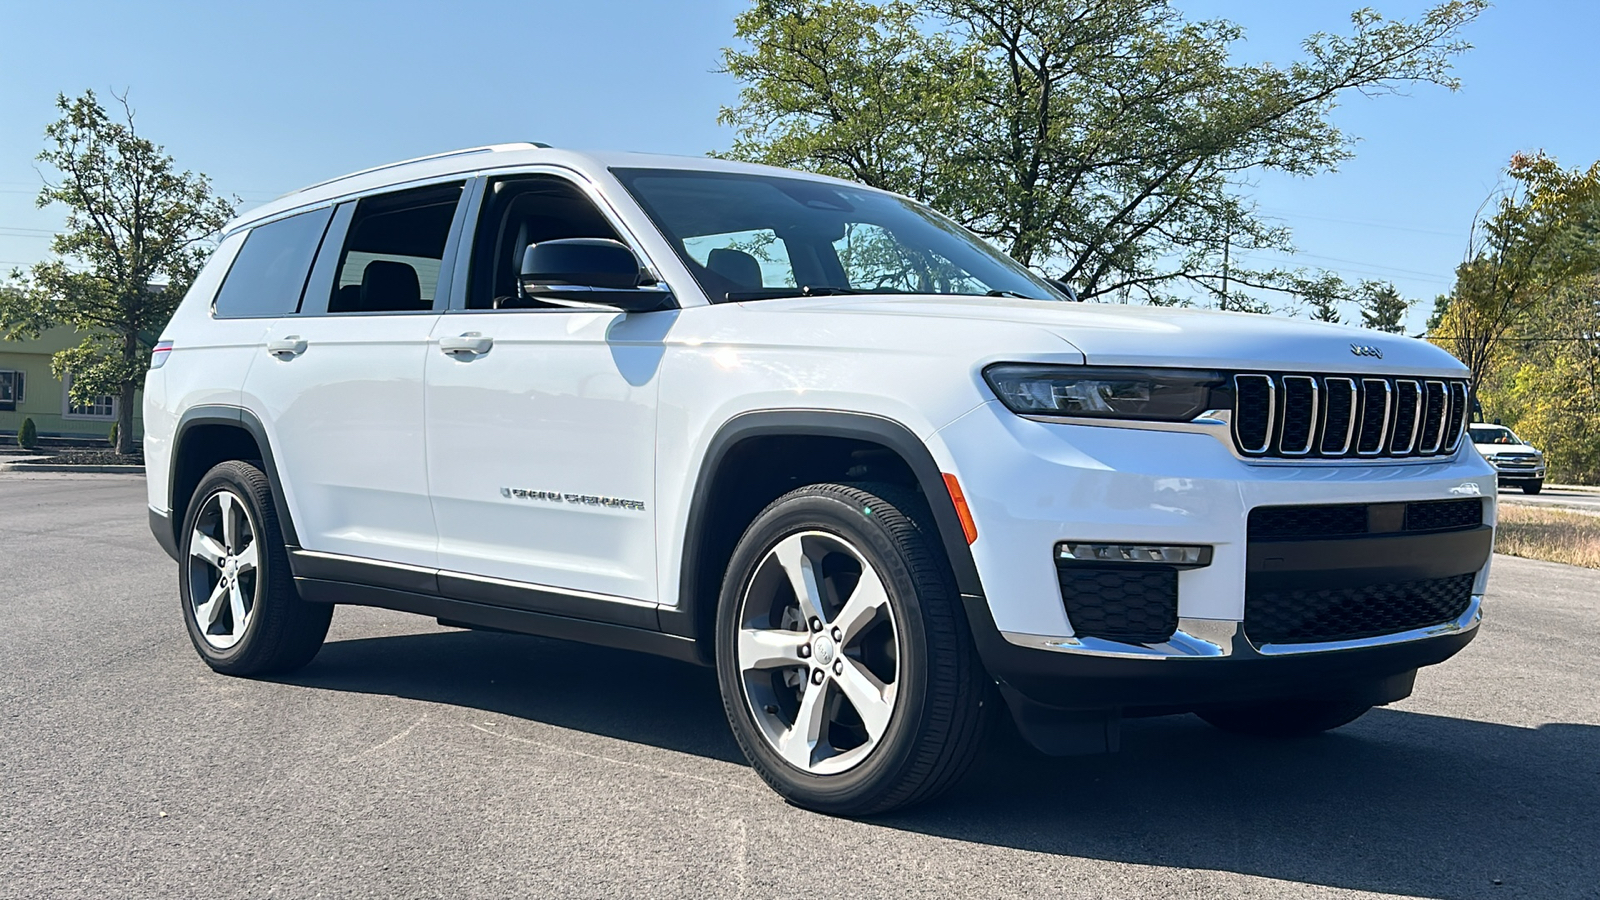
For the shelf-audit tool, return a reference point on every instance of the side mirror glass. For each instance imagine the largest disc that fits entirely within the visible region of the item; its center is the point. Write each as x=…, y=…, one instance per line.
x=590, y=273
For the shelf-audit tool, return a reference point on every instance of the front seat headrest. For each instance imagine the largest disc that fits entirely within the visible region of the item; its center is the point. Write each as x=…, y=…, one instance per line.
x=736, y=266
x=389, y=285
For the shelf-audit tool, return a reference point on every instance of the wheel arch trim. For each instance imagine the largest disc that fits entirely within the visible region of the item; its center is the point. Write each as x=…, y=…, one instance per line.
x=686, y=618
x=232, y=417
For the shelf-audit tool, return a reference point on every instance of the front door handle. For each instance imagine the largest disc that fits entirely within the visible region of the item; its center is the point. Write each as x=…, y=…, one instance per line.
x=288, y=348
x=467, y=345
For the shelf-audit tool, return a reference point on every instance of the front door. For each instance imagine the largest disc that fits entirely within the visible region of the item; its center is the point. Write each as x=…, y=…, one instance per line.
x=541, y=426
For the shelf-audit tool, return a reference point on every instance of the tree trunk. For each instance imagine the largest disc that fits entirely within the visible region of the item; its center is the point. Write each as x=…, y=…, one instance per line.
x=125, y=418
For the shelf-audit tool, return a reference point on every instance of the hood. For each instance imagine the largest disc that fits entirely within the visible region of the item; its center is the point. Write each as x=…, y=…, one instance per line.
x=1121, y=335
x=1488, y=450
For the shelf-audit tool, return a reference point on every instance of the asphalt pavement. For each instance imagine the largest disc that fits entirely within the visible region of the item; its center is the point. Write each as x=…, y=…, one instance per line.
x=410, y=760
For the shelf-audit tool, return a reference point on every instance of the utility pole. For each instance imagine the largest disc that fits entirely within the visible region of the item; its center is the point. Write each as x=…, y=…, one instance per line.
x=1227, y=241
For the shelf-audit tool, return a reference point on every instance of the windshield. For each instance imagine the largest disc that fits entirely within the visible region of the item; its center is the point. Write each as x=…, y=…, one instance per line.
x=1493, y=434
x=753, y=237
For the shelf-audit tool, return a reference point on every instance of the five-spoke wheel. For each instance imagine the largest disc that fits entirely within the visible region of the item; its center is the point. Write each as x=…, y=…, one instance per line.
x=239, y=601
x=847, y=672
x=223, y=561
x=819, y=652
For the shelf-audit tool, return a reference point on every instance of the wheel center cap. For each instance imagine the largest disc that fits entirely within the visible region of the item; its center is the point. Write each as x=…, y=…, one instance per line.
x=232, y=567
x=823, y=649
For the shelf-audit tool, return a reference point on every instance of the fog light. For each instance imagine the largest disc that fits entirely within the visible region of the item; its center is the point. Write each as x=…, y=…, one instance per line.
x=1182, y=556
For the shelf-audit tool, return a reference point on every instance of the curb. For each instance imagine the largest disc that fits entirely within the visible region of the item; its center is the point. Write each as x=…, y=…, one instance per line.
x=90, y=470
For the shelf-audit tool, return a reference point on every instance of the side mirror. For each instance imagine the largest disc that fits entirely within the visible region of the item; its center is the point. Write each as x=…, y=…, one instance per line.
x=1064, y=288
x=596, y=273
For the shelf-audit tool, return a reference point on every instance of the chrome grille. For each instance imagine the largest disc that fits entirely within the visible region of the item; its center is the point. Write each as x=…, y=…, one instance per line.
x=1341, y=416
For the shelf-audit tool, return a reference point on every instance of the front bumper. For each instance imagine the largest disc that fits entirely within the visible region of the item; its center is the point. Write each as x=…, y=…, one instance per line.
x=1032, y=485
x=1519, y=474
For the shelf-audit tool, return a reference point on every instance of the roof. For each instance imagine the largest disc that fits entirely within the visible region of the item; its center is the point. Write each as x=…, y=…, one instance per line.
x=477, y=159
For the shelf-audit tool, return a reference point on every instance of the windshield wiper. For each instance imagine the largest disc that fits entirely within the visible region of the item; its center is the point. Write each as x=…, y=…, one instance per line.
x=1014, y=294
x=807, y=290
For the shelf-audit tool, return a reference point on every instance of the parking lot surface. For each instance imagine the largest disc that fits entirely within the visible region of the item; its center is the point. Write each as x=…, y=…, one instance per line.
x=411, y=760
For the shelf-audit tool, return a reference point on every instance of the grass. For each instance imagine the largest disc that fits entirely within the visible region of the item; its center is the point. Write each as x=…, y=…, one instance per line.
x=1550, y=534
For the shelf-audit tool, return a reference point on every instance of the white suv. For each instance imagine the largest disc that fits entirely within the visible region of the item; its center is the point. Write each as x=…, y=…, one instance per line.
x=879, y=475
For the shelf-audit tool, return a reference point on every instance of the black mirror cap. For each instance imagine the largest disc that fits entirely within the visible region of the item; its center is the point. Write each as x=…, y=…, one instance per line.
x=593, y=273
x=582, y=262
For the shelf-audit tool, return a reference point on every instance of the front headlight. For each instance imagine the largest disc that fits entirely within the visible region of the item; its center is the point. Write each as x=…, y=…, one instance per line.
x=1160, y=395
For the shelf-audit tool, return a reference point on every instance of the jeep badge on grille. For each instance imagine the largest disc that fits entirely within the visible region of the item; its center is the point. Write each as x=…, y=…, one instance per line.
x=1366, y=350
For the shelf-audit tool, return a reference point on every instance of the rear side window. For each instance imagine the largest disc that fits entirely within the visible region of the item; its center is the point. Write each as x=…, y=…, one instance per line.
x=393, y=251
x=270, y=271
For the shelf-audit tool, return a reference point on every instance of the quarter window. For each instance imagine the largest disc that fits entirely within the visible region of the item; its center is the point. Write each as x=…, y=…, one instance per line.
x=269, y=274
x=10, y=390
x=394, y=250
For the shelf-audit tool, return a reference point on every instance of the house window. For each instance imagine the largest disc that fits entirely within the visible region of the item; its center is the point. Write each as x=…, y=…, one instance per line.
x=101, y=407
x=10, y=390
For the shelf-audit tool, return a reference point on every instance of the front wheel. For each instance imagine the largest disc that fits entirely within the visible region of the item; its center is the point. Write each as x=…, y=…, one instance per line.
x=1285, y=718
x=1533, y=487
x=847, y=671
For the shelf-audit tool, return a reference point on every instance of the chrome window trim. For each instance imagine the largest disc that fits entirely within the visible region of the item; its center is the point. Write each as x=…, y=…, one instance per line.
x=1272, y=413
x=1383, y=425
x=1311, y=427
x=1416, y=419
x=1355, y=410
x=1218, y=638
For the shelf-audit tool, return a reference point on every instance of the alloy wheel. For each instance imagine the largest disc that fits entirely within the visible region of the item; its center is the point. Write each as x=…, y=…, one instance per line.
x=819, y=653
x=224, y=568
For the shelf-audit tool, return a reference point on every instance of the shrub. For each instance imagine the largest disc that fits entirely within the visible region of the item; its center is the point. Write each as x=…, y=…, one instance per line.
x=28, y=435
x=112, y=438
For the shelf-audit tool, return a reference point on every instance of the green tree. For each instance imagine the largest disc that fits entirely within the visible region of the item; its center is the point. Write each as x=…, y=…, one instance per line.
x=1543, y=237
x=1108, y=141
x=1383, y=309
x=137, y=231
x=1548, y=387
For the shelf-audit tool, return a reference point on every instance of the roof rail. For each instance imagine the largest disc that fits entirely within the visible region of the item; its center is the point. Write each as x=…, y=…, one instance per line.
x=490, y=148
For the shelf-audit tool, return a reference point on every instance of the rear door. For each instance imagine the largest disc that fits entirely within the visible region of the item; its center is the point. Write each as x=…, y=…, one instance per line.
x=339, y=385
x=541, y=425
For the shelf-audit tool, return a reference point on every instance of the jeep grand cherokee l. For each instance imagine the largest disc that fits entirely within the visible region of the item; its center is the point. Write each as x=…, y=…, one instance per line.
x=884, y=479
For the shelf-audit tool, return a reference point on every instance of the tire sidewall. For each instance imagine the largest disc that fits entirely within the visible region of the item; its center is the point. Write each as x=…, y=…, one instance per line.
x=853, y=523
x=218, y=480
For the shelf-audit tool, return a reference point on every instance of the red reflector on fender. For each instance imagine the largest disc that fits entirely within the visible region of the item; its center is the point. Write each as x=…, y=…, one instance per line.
x=968, y=527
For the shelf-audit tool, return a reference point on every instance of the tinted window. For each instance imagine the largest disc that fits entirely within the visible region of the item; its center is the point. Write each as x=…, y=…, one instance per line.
x=393, y=251
x=270, y=271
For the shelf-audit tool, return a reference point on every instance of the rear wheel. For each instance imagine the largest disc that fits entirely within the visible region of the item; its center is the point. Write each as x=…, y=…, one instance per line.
x=243, y=614
x=1285, y=718
x=847, y=671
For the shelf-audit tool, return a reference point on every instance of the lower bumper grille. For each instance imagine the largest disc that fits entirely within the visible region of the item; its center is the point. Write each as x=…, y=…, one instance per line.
x=1136, y=604
x=1343, y=614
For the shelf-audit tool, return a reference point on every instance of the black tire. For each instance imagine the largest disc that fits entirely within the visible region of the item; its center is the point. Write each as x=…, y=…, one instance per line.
x=282, y=632
x=1285, y=718
x=943, y=696
x=1533, y=487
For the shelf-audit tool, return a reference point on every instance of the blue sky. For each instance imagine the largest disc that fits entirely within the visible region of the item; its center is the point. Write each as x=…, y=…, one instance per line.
x=267, y=98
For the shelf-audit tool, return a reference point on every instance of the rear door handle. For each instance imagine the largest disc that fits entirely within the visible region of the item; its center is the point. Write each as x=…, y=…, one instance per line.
x=288, y=348
x=467, y=345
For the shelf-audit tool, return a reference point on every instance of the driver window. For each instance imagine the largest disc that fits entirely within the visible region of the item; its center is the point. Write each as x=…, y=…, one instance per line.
x=517, y=213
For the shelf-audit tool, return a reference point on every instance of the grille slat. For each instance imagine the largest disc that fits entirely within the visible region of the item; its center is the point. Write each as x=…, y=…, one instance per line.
x=1340, y=416
x=1343, y=614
